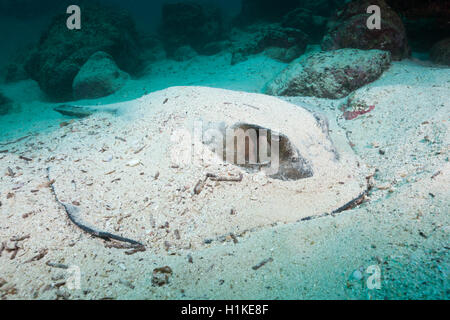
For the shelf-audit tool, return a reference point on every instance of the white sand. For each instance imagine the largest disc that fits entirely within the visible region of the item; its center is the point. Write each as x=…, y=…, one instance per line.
x=404, y=228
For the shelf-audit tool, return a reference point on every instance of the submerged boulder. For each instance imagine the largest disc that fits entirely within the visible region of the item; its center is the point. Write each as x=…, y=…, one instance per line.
x=333, y=74
x=61, y=52
x=30, y=9
x=349, y=30
x=216, y=47
x=440, y=53
x=152, y=48
x=184, y=53
x=6, y=104
x=265, y=10
x=253, y=11
x=189, y=23
x=15, y=69
x=426, y=21
x=303, y=19
x=98, y=77
x=290, y=43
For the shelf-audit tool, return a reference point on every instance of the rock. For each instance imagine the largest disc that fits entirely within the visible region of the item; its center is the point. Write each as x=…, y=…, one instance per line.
x=426, y=21
x=184, y=53
x=284, y=54
x=325, y=8
x=213, y=48
x=257, y=38
x=29, y=9
x=152, y=48
x=440, y=53
x=15, y=72
x=15, y=69
x=423, y=33
x=264, y=10
x=253, y=11
x=332, y=75
x=98, y=77
x=304, y=19
x=6, y=105
x=61, y=52
x=188, y=23
x=349, y=30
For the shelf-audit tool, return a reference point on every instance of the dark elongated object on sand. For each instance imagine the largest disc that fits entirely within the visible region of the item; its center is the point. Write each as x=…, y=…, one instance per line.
x=73, y=215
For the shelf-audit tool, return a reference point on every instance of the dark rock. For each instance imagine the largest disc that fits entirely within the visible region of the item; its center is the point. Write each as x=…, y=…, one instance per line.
x=61, y=52
x=303, y=19
x=283, y=54
x=29, y=9
x=257, y=38
x=325, y=8
x=414, y=9
x=15, y=69
x=423, y=33
x=426, y=21
x=254, y=11
x=98, y=77
x=349, y=30
x=188, y=23
x=332, y=75
x=440, y=53
x=265, y=10
x=15, y=72
x=213, y=48
x=6, y=105
x=152, y=48
x=184, y=53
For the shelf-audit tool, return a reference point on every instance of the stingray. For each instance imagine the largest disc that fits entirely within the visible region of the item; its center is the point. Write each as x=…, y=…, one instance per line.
x=320, y=174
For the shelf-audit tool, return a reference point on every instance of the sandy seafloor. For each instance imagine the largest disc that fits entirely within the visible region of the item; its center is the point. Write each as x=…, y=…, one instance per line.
x=403, y=227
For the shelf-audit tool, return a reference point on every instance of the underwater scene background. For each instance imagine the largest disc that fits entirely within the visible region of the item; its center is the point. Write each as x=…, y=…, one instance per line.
x=115, y=180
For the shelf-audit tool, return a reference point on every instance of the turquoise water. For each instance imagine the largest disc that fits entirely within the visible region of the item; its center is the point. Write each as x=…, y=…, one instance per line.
x=383, y=95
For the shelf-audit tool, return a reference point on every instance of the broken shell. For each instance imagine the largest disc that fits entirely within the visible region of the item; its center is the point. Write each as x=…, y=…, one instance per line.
x=133, y=163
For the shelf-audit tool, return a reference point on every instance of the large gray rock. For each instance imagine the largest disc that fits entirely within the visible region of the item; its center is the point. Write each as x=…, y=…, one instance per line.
x=333, y=74
x=99, y=77
x=440, y=53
